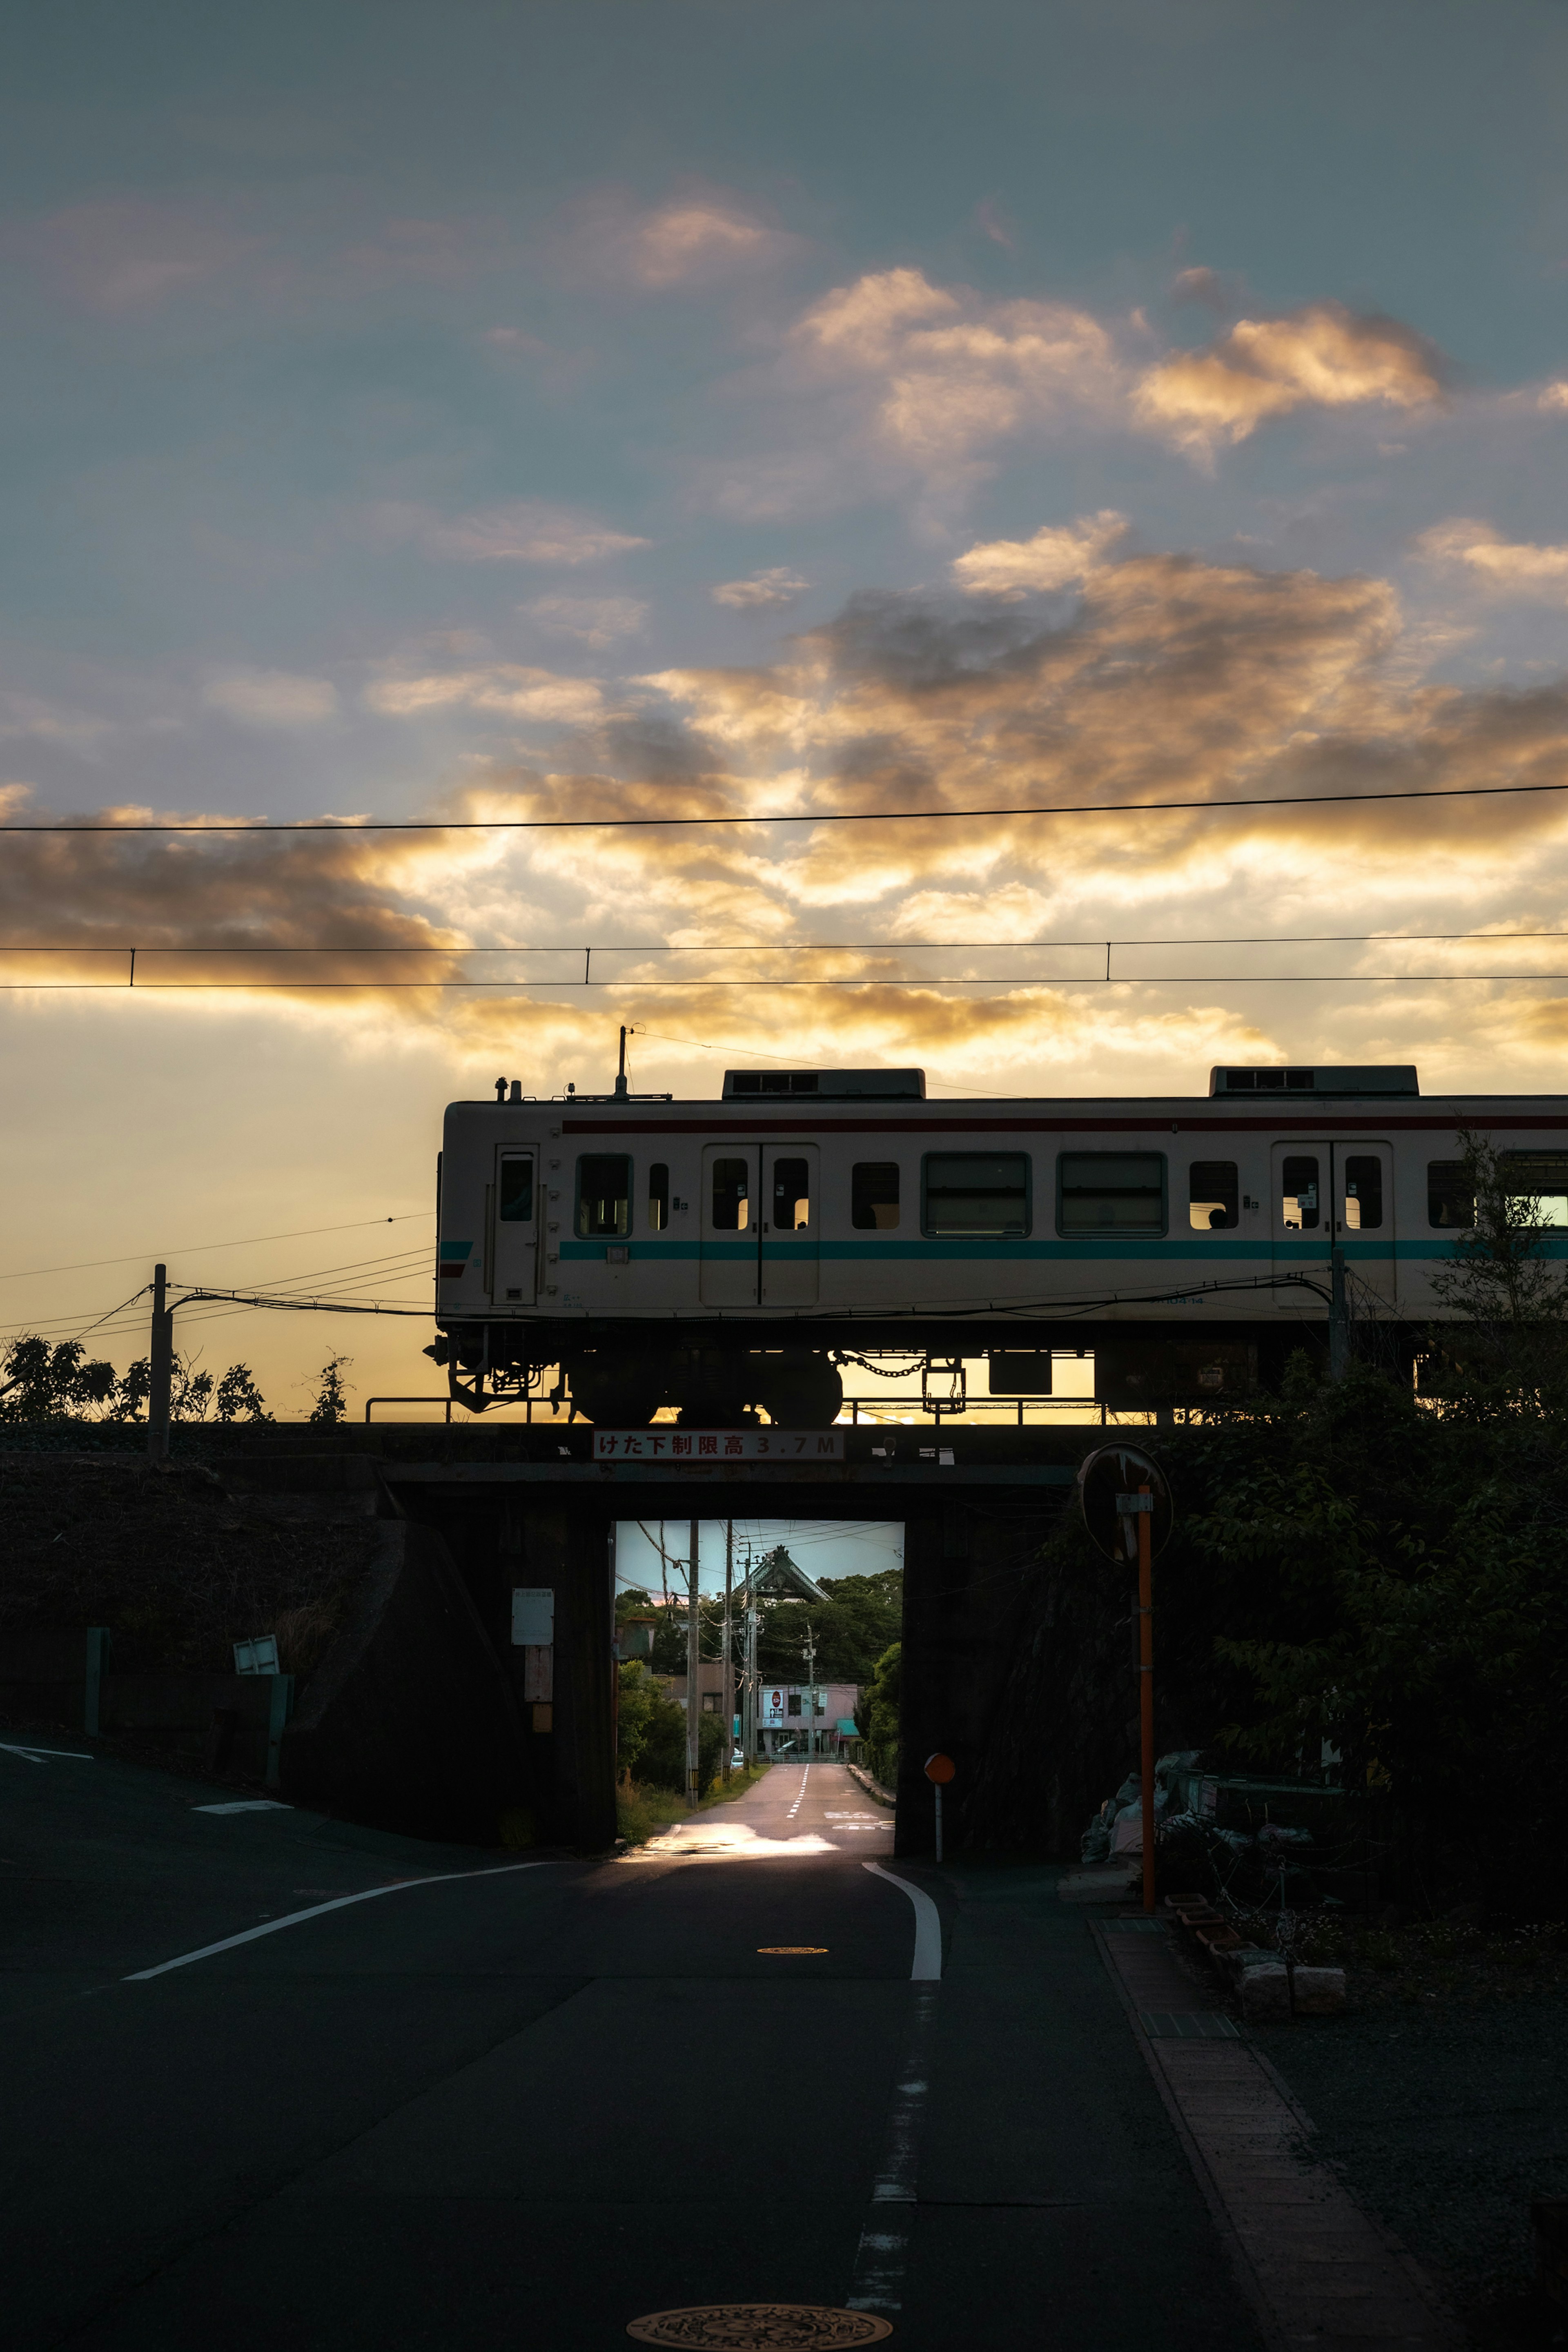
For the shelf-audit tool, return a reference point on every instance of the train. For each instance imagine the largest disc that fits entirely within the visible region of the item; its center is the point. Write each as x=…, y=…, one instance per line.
x=731, y=1258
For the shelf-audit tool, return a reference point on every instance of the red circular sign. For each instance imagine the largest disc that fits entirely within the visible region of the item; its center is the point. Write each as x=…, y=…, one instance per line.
x=940, y=1767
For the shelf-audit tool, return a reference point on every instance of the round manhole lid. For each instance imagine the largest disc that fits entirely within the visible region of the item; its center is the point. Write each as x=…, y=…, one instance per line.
x=761, y=2328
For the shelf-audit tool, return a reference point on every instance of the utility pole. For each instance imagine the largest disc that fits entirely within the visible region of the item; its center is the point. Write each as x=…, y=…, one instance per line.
x=749, y=1697
x=811, y=1692
x=728, y=1700
x=163, y=1367
x=693, y=1649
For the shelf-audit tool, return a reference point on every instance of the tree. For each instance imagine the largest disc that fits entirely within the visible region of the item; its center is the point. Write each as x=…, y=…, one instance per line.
x=1507, y=1343
x=853, y=1625
x=239, y=1397
x=331, y=1402
x=651, y=1743
x=882, y=1706
x=41, y=1382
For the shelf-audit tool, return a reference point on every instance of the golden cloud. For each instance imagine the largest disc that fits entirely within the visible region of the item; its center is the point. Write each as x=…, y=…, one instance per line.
x=1507, y=567
x=1057, y=556
x=1173, y=680
x=1323, y=355
x=950, y=369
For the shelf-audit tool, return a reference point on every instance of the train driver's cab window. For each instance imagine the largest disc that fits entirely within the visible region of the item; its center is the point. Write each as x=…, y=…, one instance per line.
x=516, y=1204
x=659, y=1196
x=1363, y=1193
x=1450, y=1195
x=1111, y=1193
x=1299, y=1208
x=731, y=1196
x=1213, y=1198
x=874, y=1196
x=791, y=1196
x=1540, y=1178
x=980, y=1195
x=604, y=1195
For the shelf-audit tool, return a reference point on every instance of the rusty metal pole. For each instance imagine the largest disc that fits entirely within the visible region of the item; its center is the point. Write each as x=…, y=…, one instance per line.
x=1146, y=1683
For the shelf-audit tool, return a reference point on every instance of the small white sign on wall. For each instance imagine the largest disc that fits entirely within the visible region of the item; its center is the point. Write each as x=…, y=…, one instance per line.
x=533, y=1616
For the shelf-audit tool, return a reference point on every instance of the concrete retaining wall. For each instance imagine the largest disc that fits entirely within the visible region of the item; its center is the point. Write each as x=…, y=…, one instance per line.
x=408, y=1720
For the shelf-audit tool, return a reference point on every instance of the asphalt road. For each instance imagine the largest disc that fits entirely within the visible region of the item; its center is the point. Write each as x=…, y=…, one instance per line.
x=523, y=2107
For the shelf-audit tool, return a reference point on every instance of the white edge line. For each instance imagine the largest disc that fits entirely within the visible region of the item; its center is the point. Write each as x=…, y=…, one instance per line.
x=37, y=1755
x=339, y=1903
x=927, y=1968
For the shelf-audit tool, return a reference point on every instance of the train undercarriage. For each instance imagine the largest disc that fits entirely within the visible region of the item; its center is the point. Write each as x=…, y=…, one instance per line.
x=728, y=1375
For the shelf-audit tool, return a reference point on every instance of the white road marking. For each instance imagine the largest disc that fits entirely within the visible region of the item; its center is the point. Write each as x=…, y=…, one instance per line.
x=37, y=1755
x=883, y=2250
x=928, y=1925
x=796, y=1806
x=246, y=1805
x=292, y=1918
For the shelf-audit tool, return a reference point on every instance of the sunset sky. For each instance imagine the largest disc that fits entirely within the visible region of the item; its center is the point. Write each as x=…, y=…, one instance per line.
x=686, y=407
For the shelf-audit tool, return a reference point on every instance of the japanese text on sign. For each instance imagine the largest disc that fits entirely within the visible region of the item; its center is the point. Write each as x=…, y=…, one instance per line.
x=697, y=1445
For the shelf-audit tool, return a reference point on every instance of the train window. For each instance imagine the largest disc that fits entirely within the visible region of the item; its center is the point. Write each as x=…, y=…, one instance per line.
x=874, y=1196
x=1363, y=1193
x=1213, y=1202
x=604, y=1194
x=658, y=1197
x=978, y=1193
x=731, y=1204
x=791, y=1196
x=1451, y=1194
x=1298, y=1210
x=516, y=1205
x=1540, y=1177
x=1111, y=1192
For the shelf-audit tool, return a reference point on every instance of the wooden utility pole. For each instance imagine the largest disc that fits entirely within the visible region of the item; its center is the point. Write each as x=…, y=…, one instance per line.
x=728, y=1701
x=694, y=1651
x=161, y=1369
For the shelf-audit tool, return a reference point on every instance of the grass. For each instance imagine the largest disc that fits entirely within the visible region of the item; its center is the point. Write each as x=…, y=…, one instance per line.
x=642, y=1810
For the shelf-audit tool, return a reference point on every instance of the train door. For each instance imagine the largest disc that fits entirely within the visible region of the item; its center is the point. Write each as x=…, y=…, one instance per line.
x=1361, y=1195
x=514, y=1243
x=1334, y=1191
x=732, y=1224
x=791, y=1220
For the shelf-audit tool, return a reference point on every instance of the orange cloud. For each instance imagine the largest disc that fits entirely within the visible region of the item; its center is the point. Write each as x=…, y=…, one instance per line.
x=1511, y=568
x=1323, y=355
x=1057, y=556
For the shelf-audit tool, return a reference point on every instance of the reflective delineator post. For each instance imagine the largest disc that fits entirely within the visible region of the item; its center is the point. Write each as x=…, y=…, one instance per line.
x=1146, y=1682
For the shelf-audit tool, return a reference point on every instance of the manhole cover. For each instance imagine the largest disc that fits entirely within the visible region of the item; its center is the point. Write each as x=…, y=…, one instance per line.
x=761, y=2328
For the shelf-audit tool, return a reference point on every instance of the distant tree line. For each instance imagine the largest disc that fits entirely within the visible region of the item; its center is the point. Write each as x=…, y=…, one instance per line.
x=42, y=1382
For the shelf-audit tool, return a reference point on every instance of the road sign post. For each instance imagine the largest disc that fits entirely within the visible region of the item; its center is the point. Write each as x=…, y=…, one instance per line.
x=1126, y=1506
x=940, y=1769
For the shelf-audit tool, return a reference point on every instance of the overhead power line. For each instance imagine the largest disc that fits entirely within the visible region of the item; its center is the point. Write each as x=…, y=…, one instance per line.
x=193, y=1249
x=262, y=827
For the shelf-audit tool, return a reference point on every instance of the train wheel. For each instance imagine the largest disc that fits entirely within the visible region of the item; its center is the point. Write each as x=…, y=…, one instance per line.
x=616, y=1395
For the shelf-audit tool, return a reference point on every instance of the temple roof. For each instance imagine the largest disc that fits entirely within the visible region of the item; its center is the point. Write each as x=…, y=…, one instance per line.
x=776, y=1576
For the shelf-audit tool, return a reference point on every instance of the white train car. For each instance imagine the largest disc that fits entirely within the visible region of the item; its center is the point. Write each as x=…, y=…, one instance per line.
x=723, y=1256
